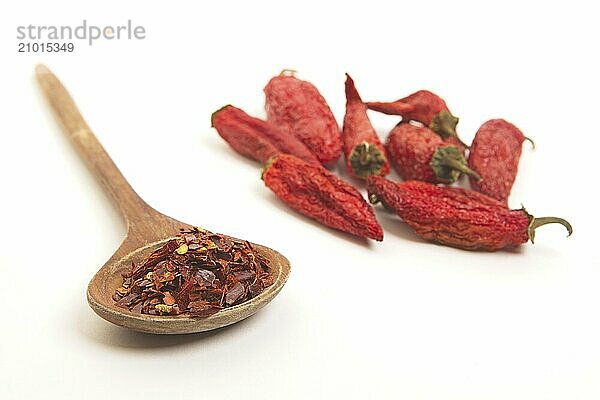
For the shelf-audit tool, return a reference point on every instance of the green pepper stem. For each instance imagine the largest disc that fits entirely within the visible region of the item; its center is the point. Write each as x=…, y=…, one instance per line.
x=444, y=124
x=459, y=166
x=288, y=72
x=366, y=159
x=531, y=142
x=373, y=199
x=537, y=222
x=363, y=157
x=447, y=164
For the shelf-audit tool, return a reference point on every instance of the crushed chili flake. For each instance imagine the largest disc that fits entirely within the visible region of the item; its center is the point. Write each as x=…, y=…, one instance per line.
x=196, y=274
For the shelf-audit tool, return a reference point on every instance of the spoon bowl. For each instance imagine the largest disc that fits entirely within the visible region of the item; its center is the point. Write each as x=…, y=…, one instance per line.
x=108, y=279
x=147, y=230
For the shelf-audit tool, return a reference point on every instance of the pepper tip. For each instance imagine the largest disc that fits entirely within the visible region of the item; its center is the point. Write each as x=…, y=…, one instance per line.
x=265, y=167
x=214, y=114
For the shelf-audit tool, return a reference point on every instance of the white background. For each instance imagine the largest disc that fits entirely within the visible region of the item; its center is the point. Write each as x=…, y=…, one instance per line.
x=397, y=319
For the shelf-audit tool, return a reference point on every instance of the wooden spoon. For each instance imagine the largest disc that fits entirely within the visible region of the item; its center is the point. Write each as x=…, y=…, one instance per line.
x=147, y=230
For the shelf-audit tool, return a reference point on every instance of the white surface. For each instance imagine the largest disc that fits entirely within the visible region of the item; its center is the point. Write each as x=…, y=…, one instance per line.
x=398, y=319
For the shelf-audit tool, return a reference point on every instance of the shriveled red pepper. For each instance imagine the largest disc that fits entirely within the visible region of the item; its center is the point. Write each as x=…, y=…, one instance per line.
x=457, y=217
x=427, y=108
x=255, y=138
x=416, y=152
x=365, y=155
x=495, y=155
x=298, y=106
x=317, y=193
x=249, y=143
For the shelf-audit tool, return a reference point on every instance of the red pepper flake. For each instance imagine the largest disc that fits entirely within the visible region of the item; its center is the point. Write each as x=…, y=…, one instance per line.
x=365, y=155
x=495, y=154
x=317, y=193
x=235, y=293
x=457, y=217
x=168, y=299
x=203, y=308
x=298, y=107
x=196, y=282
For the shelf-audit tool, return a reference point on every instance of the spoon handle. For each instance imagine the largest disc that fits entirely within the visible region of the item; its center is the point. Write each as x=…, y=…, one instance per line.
x=132, y=207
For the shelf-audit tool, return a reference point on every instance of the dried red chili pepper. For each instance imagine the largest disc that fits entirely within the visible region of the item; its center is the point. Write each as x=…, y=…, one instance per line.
x=457, y=217
x=197, y=274
x=251, y=136
x=365, y=155
x=317, y=193
x=416, y=152
x=247, y=142
x=427, y=108
x=495, y=155
x=298, y=106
